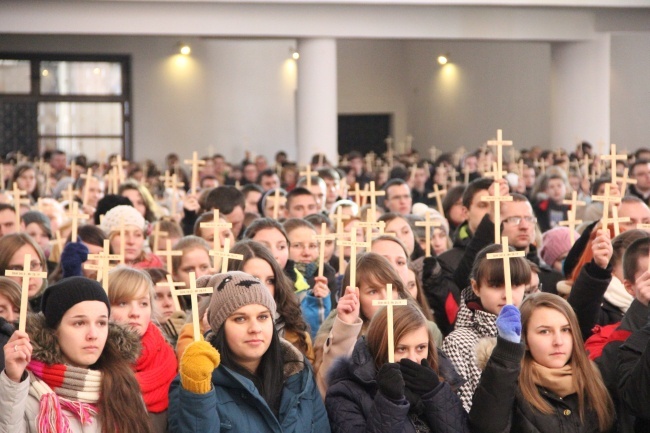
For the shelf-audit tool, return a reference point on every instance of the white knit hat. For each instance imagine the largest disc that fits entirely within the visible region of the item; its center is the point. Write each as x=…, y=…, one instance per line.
x=128, y=215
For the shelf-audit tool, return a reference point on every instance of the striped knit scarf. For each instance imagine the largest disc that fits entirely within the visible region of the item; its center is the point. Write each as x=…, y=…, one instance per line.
x=60, y=387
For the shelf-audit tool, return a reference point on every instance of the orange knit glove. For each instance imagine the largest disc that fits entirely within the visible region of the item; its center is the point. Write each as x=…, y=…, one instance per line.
x=196, y=366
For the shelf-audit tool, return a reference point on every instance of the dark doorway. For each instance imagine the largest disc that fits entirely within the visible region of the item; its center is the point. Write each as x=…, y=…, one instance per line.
x=363, y=132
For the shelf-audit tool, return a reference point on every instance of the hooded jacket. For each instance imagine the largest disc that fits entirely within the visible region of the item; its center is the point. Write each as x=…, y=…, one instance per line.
x=354, y=403
x=6, y=331
x=235, y=405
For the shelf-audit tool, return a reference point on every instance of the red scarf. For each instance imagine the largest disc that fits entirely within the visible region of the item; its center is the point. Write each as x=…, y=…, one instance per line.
x=155, y=369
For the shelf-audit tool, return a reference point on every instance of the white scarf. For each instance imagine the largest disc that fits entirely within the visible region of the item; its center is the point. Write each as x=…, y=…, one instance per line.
x=617, y=295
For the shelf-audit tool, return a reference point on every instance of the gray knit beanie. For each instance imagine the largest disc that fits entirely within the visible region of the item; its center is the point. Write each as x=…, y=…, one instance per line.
x=232, y=291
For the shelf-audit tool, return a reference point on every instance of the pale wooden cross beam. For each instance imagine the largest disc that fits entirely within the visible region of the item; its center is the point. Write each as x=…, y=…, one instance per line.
x=353, y=244
x=322, y=239
x=168, y=253
x=73, y=169
x=172, y=289
x=344, y=188
x=193, y=291
x=390, y=303
x=87, y=178
x=499, y=143
x=372, y=194
x=613, y=157
x=308, y=174
x=428, y=223
x=571, y=222
x=195, y=162
x=166, y=179
x=495, y=173
x=276, y=203
x=58, y=242
x=16, y=195
x=497, y=198
x=438, y=194
x=225, y=255
x=156, y=235
x=506, y=254
x=616, y=220
x=339, y=219
x=607, y=200
x=119, y=165
x=466, y=173
x=574, y=202
x=75, y=215
x=369, y=225
x=174, y=186
x=625, y=180
x=216, y=224
x=25, y=274
x=541, y=163
x=103, y=263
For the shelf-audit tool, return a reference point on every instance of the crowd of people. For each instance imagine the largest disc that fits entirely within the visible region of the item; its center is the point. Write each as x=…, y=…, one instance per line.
x=295, y=258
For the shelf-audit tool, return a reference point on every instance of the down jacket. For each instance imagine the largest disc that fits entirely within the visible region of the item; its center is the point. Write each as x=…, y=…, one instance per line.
x=354, y=403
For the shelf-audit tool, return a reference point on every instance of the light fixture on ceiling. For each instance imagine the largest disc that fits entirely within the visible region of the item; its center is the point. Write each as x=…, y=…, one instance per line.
x=184, y=49
x=443, y=59
x=295, y=55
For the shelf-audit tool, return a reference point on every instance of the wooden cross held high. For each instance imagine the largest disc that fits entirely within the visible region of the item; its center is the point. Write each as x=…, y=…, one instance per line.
x=574, y=203
x=75, y=215
x=499, y=143
x=195, y=162
x=157, y=233
x=16, y=195
x=428, y=223
x=353, y=244
x=571, y=222
x=308, y=174
x=119, y=166
x=172, y=289
x=225, y=255
x=174, y=186
x=103, y=264
x=497, y=198
x=438, y=194
x=322, y=239
x=389, y=303
x=25, y=274
x=506, y=254
x=613, y=157
x=372, y=194
x=168, y=253
x=625, y=180
x=607, y=200
x=216, y=225
x=339, y=219
x=615, y=220
x=193, y=291
x=276, y=203
x=87, y=179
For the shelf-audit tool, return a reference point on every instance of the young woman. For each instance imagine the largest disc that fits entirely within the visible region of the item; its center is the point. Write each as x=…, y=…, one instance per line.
x=208, y=233
x=71, y=339
x=9, y=312
x=13, y=248
x=553, y=388
x=170, y=321
x=413, y=394
x=141, y=199
x=195, y=258
x=399, y=225
x=130, y=293
x=289, y=322
x=26, y=180
x=263, y=383
x=37, y=225
x=337, y=335
x=134, y=237
x=480, y=306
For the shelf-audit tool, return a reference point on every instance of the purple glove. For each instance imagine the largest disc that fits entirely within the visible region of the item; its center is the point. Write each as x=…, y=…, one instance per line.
x=73, y=255
x=509, y=324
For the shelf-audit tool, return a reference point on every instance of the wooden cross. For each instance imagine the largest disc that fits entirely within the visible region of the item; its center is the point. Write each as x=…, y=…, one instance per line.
x=195, y=162
x=344, y=188
x=172, y=288
x=119, y=166
x=571, y=222
x=308, y=175
x=103, y=264
x=625, y=180
x=466, y=173
x=574, y=202
x=506, y=254
x=495, y=173
x=87, y=177
x=25, y=274
x=73, y=169
x=58, y=242
x=358, y=194
x=499, y=143
x=616, y=220
x=438, y=194
x=322, y=239
x=225, y=255
x=427, y=224
x=353, y=244
x=339, y=219
x=276, y=203
x=607, y=199
x=168, y=253
x=16, y=195
x=613, y=157
x=156, y=235
x=389, y=303
x=372, y=194
x=586, y=162
x=541, y=163
x=497, y=198
x=369, y=225
x=216, y=224
x=75, y=215
x=175, y=185
x=167, y=179
x=193, y=291
x=68, y=193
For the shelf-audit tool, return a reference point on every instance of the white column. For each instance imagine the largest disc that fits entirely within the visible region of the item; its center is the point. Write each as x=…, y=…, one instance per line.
x=316, y=102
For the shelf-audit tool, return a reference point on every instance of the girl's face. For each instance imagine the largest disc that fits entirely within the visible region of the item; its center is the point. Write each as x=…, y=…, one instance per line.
x=413, y=345
x=411, y=285
x=92, y=249
x=549, y=337
x=27, y=181
x=262, y=270
x=224, y=233
x=135, y=313
x=82, y=333
x=8, y=311
x=439, y=241
x=133, y=243
x=164, y=303
x=249, y=331
x=269, y=206
x=556, y=190
x=493, y=298
x=194, y=260
x=457, y=213
x=402, y=229
x=302, y=246
x=369, y=292
x=394, y=253
x=16, y=264
x=39, y=235
x=136, y=199
x=275, y=241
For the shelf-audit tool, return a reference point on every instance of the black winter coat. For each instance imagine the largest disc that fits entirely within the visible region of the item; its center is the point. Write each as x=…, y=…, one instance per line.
x=6, y=330
x=440, y=290
x=354, y=403
x=499, y=407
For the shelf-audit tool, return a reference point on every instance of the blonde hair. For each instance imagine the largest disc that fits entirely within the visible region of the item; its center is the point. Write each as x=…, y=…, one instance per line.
x=125, y=283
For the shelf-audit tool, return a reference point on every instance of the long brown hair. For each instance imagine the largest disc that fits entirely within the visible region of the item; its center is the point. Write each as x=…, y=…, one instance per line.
x=588, y=382
x=406, y=318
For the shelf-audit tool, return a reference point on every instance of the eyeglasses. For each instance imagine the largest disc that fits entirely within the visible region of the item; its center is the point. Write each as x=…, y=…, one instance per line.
x=33, y=266
x=516, y=220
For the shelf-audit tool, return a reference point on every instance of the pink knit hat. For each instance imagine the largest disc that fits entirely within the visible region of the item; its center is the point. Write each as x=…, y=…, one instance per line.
x=555, y=243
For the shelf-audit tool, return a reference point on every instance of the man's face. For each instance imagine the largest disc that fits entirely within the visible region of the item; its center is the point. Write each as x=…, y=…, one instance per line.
x=302, y=205
x=318, y=194
x=420, y=178
x=236, y=218
x=7, y=222
x=357, y=165
x=529, y=177
x=252, y=198
x=398, y=199
x=270, y=182
x=332, y=191
x=477, y=210
x=58, y=162
x=250, y=173
x=642, y=175
x=638, y=213
x=219, y=165
x=519, y=235
x=260, y=163
x=471, y=162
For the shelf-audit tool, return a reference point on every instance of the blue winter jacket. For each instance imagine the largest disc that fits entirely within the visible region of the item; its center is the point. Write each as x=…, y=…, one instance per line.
x=235, y=405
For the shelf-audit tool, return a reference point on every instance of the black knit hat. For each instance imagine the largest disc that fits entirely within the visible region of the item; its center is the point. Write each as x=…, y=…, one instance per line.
x=60, y=297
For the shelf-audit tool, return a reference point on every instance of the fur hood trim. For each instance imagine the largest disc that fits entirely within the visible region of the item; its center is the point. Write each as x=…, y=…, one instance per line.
x=47, y=349
x=294, y=360
x=483, y=351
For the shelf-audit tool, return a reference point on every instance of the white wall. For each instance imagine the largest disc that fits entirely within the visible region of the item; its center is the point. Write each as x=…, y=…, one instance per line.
x=630, y=90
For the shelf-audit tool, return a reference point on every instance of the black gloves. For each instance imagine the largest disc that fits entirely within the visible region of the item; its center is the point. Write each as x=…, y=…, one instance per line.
x=418, y=378
x=72, y=256
x=390, y=381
